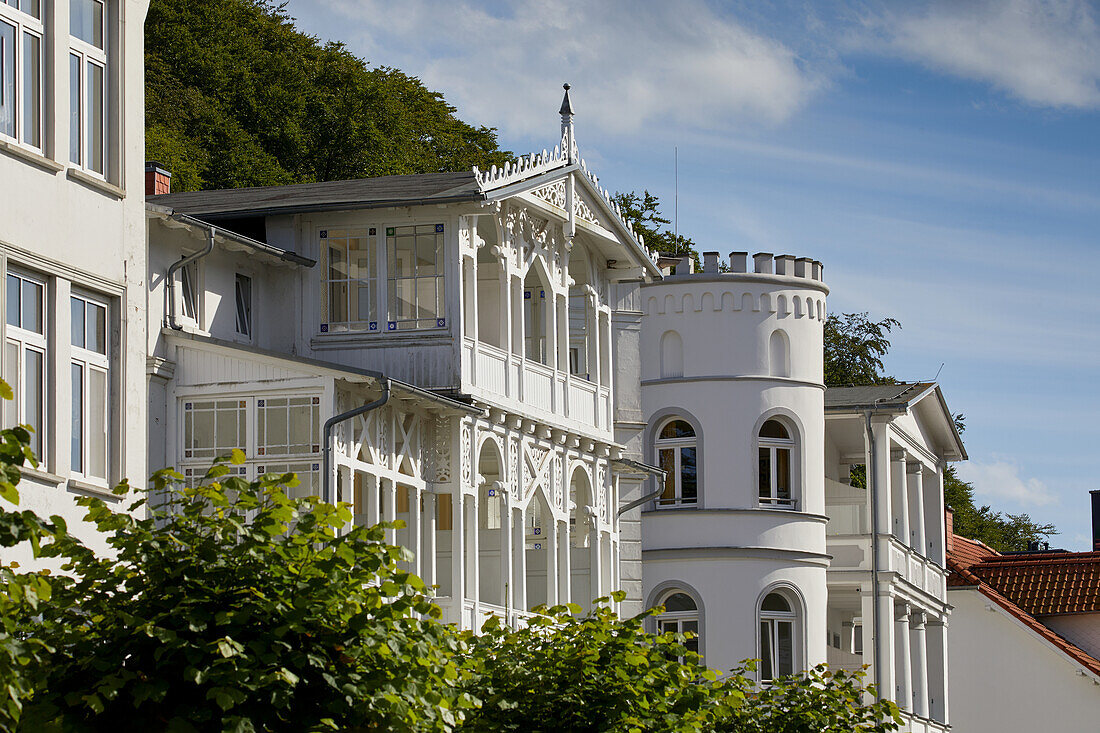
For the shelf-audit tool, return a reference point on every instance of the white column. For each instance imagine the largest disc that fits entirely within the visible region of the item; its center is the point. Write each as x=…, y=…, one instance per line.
x=915, y=488
x=596, y=564
x=551, y=340
x=389, y=508
x=416, y=520
x=561, y=304
x=592, y=327
x=473, y=557
x=937, y=671
x=900, y=493
x=458, y=549
x=471, y=295
x=936, y=539
x=882, y=649
x=427, y=565
x=507, y=517
x=373, y=499
x=519, y=549
x=918, y=651
x=903, y=684
x=551, y=551
x=565, y=541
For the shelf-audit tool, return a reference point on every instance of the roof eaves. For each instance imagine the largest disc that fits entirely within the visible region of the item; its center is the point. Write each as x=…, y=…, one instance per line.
x=253, y=244
x=341, y=206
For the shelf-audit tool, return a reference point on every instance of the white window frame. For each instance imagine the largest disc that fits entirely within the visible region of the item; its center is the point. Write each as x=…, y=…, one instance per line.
x=258, y=459
x=191, y=294
x=676, y=445
x=90, y=360
x=371, y=282
x=89, y=54
x=680, y=622
x=415, y=323
x=243, y=304
x=25, y=24
x=773, y=446
x=25, y=341
x=769, y=648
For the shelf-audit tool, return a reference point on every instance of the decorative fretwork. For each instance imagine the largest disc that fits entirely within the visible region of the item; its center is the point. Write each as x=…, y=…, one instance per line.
x=441, y=453
x=467, y=468
x=581, y=211
x=552, y=193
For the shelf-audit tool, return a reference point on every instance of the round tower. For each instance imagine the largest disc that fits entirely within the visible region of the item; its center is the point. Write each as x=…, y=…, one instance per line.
x=733, y=394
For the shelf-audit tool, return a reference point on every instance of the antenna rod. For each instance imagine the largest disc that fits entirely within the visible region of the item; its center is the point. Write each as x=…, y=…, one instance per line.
x=676, y=195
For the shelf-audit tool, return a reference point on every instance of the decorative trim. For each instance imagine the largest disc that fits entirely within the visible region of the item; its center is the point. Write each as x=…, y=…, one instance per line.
x=30, y=156
x=735, y=378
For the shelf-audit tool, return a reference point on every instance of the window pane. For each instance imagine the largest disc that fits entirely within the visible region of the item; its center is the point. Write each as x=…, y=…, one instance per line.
x=783, y=473
x=13, y=300
x=774, y=429
x=76, y=322
x=301, y=430
x=425, y=255
x=693, y=628
x=97, y=328
x=688, y=490
x=97, y=424
x=243, y=290
x=679, y=602
x=95, y=118
x=668, y=465
x=765, y=473
x=775, y=602
x=32, y=90
x=784, y=638
x=86, y=21
x=765, y=650
x=11, y=376
x=7, y=79
x=76, y=455
x=33, y=383
x=677, y=429
x=32, y=306
x=187, y=292
x=74, y=109
x=425, y=298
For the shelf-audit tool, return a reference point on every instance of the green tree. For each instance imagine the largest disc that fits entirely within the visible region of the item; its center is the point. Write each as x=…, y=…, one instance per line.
x=1002, y=531
x=854, y=348
x=236, y=96
x=233, y=607
x=644, y=213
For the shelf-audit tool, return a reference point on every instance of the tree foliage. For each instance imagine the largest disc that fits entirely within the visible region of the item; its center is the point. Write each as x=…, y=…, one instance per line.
x=236, y=96
x=1002, y=531
x=644, y=213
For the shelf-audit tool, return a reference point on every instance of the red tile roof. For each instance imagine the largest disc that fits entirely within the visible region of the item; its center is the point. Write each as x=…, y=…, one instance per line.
x=1040, y=580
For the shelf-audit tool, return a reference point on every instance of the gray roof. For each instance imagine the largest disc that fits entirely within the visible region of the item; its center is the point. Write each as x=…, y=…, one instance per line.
x=362, y=193
x=875, y=396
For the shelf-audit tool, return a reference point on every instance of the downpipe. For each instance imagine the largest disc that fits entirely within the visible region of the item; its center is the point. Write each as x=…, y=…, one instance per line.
x=178, y=265
x=326, y=481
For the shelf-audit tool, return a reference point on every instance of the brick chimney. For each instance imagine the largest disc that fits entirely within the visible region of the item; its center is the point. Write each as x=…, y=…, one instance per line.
x=1095, y=519
x=949, y=527
x=157, y=179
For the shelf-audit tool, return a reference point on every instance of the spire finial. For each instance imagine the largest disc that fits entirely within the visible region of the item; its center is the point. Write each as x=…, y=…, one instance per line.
x=566, y=105
x=569, y=143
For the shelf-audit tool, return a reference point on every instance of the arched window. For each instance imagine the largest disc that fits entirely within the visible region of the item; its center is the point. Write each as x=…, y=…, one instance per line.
x=676, y=455
x=778, y=636
x=776, y=450
x=681, y=616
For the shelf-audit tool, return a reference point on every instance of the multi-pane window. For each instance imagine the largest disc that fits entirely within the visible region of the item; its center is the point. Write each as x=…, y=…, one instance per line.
x=21, y=32
x=90, y=375
x=350, y=285
x=778, y=629
x=88, y=85
x=279, y=434
x=25, y=355
x=415, y=276
x=774, y=449
x=189, y=291
x=677, y=456
x=242, y=291
x=681, y=616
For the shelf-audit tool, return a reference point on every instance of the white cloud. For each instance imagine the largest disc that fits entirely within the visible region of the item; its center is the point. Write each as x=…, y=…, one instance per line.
x=633, y=65
x=1000, y=479
x=1044, y=52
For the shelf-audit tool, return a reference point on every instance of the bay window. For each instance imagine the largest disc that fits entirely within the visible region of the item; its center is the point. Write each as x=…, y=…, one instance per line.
x=25, y=356
x=90, y=375
x=21, y=33
x=88, y=85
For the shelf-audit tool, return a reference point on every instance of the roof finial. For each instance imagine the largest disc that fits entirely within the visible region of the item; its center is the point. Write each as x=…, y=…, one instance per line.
x=569, y=143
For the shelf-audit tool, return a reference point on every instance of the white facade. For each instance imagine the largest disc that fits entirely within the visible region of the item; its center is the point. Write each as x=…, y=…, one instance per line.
x=756, y=537
x=1006, y=676
x=504, y=459
x=72, y=247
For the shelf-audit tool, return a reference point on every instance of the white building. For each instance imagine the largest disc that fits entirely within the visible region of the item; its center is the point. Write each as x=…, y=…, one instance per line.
x=472, y=320
x=1025, y=637
x=72, y=246
x=756, y=539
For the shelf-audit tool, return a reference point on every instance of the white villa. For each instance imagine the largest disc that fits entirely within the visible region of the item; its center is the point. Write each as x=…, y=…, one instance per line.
x=494, y=358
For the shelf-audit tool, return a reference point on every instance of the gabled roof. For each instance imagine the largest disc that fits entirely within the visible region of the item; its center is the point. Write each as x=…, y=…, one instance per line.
x=877, y=396
x=1047, y=583
x=966, y=563
x=361, y=193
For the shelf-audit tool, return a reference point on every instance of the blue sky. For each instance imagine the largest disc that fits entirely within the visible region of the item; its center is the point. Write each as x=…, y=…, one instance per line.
x=941, y=159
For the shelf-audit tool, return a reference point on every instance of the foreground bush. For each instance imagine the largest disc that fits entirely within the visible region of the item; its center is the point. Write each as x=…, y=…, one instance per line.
x=234, y=608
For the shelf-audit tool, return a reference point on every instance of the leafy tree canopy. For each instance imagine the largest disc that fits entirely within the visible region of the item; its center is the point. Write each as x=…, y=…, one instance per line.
x=236, y=96
x=644, y=212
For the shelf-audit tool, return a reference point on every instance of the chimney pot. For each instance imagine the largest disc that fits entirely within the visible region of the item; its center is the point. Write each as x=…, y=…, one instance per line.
x=762, y=263
x=710, y=262
x=158, y=179
x=1095, y=519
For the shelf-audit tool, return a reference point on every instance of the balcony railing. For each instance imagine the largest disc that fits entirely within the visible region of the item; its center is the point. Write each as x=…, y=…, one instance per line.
x=539, y=388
